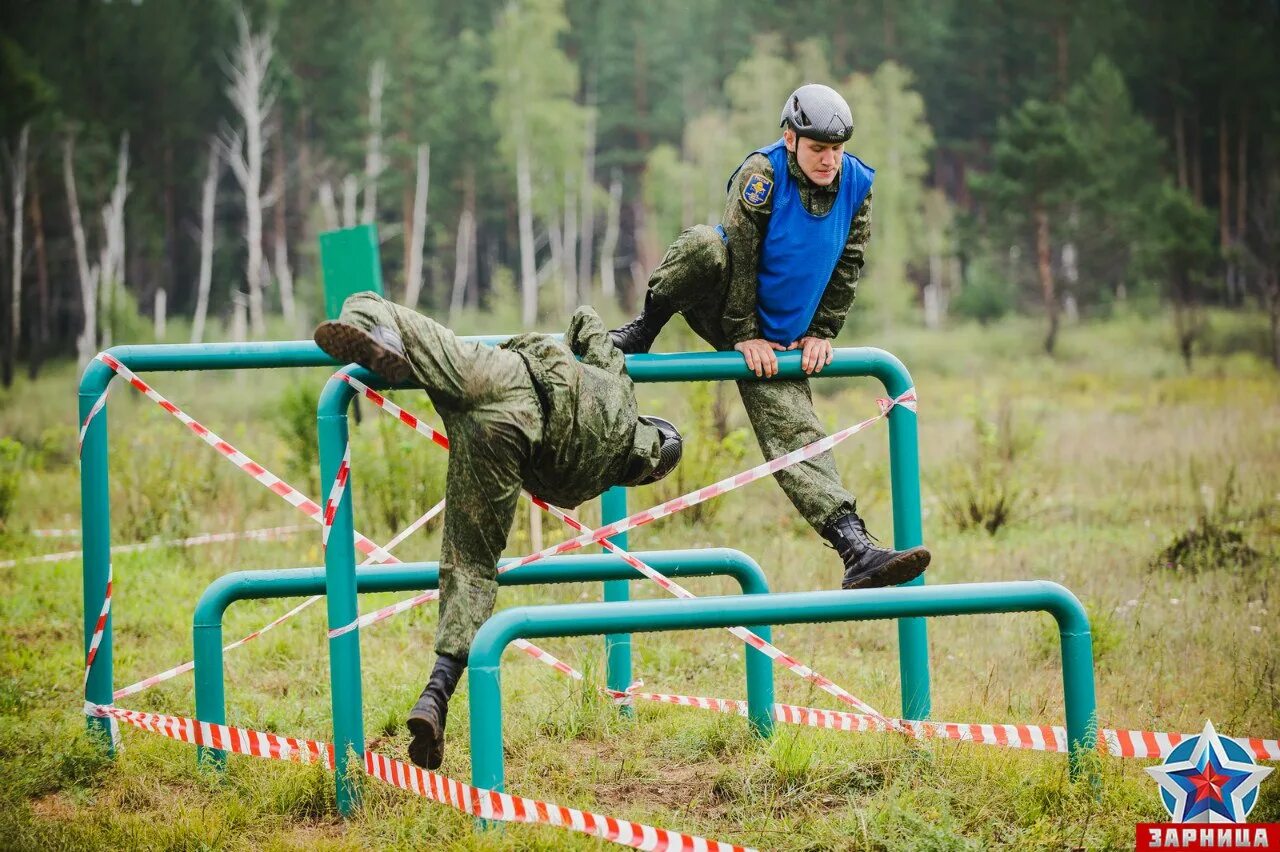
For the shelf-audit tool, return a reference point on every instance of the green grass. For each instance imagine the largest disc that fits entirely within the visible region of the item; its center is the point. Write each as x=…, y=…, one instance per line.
x=1124, y=449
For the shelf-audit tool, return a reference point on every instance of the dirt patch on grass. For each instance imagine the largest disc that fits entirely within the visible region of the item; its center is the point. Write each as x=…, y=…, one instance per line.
x=55, y=807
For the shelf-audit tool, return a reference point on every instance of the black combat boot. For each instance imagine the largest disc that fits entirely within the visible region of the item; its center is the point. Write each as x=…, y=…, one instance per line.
x=866, y=565
x=379, y=349
x=638, y=335
x=427, y=718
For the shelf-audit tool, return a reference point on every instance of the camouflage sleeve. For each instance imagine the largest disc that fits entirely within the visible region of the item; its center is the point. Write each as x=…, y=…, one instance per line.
x=745, y=225
x=843, y=286
x=586, y=337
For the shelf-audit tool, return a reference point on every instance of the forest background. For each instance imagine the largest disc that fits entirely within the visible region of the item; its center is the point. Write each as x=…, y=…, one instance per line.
x=165, y=159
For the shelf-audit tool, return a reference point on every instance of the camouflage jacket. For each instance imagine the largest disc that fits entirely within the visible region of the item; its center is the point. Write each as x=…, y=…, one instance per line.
x=591, y=439
x=745, y=226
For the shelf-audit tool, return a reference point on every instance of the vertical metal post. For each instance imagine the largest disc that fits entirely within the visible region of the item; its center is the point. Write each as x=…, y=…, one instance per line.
x=95, y=521
x=617, y=646
x=340, y=591
x=211, y=702
x=1078, y=698
x=904, y=473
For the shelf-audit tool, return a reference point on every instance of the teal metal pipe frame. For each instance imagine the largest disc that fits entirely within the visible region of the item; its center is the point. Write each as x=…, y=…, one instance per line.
x=210, y=676
x=344, y=660
x=95, y=499
x=536, y=622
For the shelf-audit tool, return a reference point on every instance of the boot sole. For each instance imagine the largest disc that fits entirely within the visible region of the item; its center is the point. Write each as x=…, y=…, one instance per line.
x=906, y=566
x=426, y=749
x=349, y=343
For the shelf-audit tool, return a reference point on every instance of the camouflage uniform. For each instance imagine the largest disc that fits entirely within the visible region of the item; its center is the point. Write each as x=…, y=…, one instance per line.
x=526, y=414
x=712, y=282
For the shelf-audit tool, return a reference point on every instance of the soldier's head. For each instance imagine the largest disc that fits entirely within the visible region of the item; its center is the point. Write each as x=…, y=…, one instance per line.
x=670, y=449
x=817, y=122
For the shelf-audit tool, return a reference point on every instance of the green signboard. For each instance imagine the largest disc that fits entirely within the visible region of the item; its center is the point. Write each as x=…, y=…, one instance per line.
x=350, y=263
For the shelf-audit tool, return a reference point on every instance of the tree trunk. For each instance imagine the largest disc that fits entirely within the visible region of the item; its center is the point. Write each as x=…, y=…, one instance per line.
x=208, y=198
x=329, y=207
x=1180, y=146
x=1061, y=40
x=170, y=278
x=528, y=270
x=87, y=341
x=350, y=189
x=111, y=257
x=40, y=339
x=161, y=315
x=1224, y=205
x=418, y=228
x=18, y=183
x=1197, y=170
x=253, y=224
x=610, y=244
x=1044, y=266
x=461, y=261
x=570, y=246
x=373, y=151
x=284, y=275
x=1242, y=191
x=587, y=219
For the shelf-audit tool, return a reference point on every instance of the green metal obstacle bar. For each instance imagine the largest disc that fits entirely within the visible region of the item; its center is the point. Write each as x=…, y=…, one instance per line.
x=291, y=582
x=538, y=622
x=340, y=561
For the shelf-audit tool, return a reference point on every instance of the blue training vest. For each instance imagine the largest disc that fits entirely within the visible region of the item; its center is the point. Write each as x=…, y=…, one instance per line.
x=800, y=250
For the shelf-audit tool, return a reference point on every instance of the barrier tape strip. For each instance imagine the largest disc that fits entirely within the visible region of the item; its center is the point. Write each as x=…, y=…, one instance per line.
x=204, y=538
x=99, y=628
x=335, y=497
x=477, y=802
x=795, y=666
x=1049, y=738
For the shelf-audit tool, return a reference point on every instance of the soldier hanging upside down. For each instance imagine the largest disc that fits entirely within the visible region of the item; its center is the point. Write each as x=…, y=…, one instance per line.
x=526, y=414
x=780, y=273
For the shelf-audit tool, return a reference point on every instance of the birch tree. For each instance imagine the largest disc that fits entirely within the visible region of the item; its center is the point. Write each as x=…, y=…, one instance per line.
x=87, y=341
x=537, y=118
x=252, y=96
x=208, y=200
x=418, y=227
x=112, y=253
x=18, y=185
x=373, y=163
x=608, y=285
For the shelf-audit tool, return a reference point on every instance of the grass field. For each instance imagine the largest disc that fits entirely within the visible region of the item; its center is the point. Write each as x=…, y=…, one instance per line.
x=1101, y=459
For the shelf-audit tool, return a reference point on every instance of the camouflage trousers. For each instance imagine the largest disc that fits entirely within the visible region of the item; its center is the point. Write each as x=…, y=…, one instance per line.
x=494, y=421
x=693, y=279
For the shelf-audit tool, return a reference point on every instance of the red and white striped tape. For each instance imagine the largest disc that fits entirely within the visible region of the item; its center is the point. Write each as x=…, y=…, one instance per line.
x=486, y=804
x=204, y=538
x=335, y=496
x=1052, y=738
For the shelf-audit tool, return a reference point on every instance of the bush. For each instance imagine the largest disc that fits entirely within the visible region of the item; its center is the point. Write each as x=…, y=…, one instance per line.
x=985, y=296
x=986, y=487
x=397, y=473
x=296, y=419
x=1216, y=539
x=712, y=451
x=11, y=465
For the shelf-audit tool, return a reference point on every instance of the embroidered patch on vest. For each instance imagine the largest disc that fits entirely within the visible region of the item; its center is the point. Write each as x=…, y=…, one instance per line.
x=756, y=190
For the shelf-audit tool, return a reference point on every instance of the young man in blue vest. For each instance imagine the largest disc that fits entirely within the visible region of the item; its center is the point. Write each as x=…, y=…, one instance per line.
x=780, y=273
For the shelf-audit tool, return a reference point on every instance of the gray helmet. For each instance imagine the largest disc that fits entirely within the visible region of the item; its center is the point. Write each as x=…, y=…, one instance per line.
x=818, y=112
x=670, y=452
